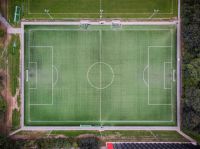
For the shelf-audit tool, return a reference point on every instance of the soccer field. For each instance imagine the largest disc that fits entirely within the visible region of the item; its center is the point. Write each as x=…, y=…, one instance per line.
x=100, y=9
x=102, y=75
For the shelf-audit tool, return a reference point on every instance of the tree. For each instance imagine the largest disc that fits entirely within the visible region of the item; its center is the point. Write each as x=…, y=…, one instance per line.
x=191, y=65
x=7, y=143
x=191, y=73
x=52, y=143
x=3, y=106
x=2, y=32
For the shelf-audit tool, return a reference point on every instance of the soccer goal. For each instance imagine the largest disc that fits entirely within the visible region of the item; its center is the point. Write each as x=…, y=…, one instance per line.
x=17, y=14
x=84, y=24
x=116, y=25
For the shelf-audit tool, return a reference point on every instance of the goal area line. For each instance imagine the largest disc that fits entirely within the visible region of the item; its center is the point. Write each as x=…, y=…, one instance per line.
x=34, y=88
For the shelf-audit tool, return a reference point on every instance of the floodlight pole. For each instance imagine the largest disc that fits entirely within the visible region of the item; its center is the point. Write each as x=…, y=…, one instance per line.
x=47, y=12
x=155, y=11
x=101, y=13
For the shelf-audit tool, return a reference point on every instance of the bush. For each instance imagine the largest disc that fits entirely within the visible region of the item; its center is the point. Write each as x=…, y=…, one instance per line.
x=3, y=106
x=52, y=143
x=88, y=142
x=191, y=65
x=7, y=143
x=2, y=33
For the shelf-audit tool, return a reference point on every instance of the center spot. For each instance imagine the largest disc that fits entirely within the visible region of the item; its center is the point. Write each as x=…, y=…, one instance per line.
x=100, y=75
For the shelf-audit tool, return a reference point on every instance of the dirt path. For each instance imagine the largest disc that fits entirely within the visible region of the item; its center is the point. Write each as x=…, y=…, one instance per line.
x=6, y=120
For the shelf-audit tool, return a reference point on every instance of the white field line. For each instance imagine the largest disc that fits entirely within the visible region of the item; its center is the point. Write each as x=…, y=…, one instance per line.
x=51, y=47
x=40, y=46
x=49, y=133
x=145, y=82
x=154, y=13
x=26, y=75
x=153, y=134
x=29, y=57
x=100, y=42
x=41, y=104
x=98, y=30
x=52, y=75
x=50, y=16
x=108, y=19
x=174, y=72
x=56, y=70
x=170, y=11
x=110, y=120
x=98, y=13
x=93, y=65
x=36, y=74
x=153, y=104
x=14, y=132
x=164, y=74
x=105, y=23
x=172, y=106
x=100, y=128
x=194, y=142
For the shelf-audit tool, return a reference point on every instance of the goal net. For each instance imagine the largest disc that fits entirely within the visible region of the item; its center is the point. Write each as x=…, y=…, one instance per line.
x=116, y=24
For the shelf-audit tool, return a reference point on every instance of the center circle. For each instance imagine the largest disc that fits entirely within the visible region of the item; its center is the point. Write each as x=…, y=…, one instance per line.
x=100, y=75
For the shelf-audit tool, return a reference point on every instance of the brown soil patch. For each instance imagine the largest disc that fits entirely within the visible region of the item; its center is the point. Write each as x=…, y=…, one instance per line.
x=30, y=135
x=6, y=120
x=86, y=136
x=4, y=40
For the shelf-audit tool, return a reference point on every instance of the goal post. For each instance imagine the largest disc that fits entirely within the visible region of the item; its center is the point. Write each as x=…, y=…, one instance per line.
x=84, y=24
x=116, y=24
x=31, y=75
x=17, y=14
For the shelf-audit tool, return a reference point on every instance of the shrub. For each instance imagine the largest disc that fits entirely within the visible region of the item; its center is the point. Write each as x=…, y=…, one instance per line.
x=7, y=143
x=2, y=33
x=3, y=106
x=52, y=143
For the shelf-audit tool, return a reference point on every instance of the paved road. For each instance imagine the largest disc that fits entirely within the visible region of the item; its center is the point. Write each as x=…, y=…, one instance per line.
x=10, y=29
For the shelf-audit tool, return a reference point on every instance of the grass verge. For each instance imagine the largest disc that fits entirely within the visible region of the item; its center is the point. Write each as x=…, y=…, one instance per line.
x=128, y=136
x=13, y=62
x=11, y=10
x=105, y=136
x=193, y=135
x=15, y=119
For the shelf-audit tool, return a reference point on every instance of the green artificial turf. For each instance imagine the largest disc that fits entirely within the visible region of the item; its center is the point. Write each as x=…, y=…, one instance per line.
x=103, y=8
x=100, y=76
